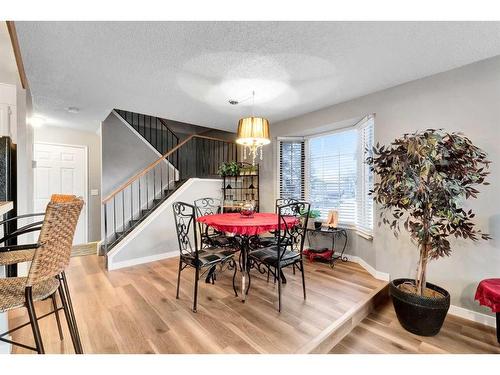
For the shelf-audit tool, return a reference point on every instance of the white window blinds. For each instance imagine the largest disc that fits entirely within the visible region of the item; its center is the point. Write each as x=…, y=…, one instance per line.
x=364, y=201
x=291, y=168
x=338, y=177
x=333, y=174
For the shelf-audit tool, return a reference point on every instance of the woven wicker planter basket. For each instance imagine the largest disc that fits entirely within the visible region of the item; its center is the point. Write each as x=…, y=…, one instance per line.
x=423, y=316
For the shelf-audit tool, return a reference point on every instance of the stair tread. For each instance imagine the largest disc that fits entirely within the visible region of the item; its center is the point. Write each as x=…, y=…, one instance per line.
x=131, y=224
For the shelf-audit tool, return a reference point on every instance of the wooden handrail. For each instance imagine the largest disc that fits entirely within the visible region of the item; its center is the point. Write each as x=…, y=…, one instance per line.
x=158, y=161
x=11, y=27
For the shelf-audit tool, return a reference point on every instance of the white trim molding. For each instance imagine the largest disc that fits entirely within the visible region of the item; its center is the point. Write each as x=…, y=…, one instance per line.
x=473, y=316
x=142, y=260
x=384, y=276
x=461, y=312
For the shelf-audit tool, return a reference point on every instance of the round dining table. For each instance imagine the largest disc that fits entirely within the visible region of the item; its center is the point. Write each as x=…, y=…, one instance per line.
x=245, y=228
x=488, y=294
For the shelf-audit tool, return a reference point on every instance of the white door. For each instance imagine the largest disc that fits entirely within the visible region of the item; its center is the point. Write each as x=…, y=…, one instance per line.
x=61, y=169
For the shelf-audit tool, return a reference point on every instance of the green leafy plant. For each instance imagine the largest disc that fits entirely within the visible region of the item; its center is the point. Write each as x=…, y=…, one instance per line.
x=313, y=214
x=231, y=168
x=424, y=179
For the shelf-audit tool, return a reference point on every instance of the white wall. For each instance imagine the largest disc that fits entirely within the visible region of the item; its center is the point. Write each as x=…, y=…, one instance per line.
x=25, y=139
x=156, y=238
x=466, y=99
x=70, y=136
x=124, y=153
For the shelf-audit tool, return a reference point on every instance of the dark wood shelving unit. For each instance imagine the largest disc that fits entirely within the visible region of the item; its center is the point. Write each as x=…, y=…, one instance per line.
x=242, y=188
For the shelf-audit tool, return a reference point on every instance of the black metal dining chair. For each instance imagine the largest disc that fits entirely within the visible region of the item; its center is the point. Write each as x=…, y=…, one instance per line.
x=272, y=241
x=192, y=254
x=290, y=243
x=210, y=236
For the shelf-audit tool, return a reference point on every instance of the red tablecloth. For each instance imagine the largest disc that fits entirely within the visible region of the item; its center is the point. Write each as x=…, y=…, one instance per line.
x=488, y=294
x=235, y=223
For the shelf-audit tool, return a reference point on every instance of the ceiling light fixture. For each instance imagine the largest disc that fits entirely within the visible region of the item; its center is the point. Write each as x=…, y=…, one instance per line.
x=253, y=134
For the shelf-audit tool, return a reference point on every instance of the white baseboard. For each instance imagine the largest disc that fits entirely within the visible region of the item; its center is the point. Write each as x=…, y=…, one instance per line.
x=461, y=312
x=473, y=316
x=372, y=271
x=137, y=261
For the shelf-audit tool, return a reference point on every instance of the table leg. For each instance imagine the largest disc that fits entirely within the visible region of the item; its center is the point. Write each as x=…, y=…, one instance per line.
x=498, y=327
x=244, y=267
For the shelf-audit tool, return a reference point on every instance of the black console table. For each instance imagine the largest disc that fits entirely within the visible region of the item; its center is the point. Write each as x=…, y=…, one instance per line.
x=337, y=234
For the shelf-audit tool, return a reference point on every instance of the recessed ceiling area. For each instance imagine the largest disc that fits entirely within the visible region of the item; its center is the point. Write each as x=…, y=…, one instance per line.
x=188, y=71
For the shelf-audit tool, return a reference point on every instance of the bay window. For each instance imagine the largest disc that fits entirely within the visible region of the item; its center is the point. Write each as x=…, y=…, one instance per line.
x=332, y=173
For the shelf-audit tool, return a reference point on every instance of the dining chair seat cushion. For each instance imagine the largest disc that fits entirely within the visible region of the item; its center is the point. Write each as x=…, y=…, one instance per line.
x=218, y=240
x=17, y=256
x=209, y=256
x=269, y=255
x=12, y=291
x=271, y=241
x=268, y=241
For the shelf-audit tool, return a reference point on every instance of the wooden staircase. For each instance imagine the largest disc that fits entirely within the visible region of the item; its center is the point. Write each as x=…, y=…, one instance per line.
x=197, y=156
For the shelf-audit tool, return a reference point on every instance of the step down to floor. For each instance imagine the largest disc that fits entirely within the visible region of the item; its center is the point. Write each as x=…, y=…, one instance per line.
x=335, y=332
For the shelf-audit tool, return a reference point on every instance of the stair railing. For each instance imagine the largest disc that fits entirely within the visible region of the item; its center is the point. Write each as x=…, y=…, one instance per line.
x=153, y=129
x=196, y=156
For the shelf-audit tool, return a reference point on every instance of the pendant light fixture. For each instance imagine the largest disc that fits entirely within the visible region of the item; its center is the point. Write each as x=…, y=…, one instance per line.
x=253, y=134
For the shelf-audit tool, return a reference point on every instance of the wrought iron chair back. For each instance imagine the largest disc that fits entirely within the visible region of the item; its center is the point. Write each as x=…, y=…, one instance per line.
x=184, y=217
x=207, y=206
x=292, y=234
x=284, y=202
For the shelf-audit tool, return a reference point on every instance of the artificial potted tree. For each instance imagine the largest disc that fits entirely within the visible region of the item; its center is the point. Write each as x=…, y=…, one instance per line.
x=423, y=180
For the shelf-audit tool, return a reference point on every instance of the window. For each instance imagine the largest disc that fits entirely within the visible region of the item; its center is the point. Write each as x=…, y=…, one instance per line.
x=338, y=177
x=364, y=201
x=291, y=168
x=333, y=174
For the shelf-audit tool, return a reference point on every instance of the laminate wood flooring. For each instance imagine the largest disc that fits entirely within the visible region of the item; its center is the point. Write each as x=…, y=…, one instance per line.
x=380, y=332
x=134, y=310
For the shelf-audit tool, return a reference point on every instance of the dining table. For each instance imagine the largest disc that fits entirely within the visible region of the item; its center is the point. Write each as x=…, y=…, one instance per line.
x=245, y=228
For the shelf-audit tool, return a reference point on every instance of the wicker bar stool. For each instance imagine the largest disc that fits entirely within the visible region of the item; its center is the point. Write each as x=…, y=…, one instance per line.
x=46, y=275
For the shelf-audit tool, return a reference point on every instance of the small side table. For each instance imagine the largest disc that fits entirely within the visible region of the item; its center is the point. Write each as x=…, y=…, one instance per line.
x=328, y=254
x=488, y=294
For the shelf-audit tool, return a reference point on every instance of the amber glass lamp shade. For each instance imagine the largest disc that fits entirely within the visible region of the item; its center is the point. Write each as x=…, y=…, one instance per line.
x=253, y=131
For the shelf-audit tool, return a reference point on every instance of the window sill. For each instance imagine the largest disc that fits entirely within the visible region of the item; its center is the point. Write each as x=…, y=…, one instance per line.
x=360, y=232
x=364, y=234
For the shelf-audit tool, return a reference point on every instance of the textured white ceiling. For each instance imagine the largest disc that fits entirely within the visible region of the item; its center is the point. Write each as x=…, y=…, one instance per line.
x=187, y=71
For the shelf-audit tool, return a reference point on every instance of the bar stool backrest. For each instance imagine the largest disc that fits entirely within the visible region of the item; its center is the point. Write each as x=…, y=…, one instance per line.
x=56, y=238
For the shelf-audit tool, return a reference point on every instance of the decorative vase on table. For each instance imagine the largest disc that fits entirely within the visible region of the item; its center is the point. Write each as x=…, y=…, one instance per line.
x=333, y=219
x=247, y=210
